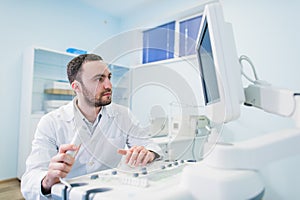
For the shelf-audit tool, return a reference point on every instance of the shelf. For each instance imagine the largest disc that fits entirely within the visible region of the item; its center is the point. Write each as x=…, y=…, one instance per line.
x=59, y=91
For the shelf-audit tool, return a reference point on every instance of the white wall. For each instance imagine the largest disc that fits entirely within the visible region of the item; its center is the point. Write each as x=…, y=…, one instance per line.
x=52, y=24
x=268, y=33
x=151, y=15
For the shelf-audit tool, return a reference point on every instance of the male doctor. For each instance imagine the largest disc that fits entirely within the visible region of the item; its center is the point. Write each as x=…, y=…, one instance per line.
x=103, y=129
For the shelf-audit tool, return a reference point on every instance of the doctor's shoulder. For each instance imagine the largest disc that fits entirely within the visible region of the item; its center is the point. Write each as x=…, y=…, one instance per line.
x=64, y=113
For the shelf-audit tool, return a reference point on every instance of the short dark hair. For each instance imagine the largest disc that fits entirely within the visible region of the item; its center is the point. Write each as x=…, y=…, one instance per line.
x=74, y=66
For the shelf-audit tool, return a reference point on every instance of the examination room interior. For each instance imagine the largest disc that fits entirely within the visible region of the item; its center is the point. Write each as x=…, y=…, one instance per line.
x=266, y=31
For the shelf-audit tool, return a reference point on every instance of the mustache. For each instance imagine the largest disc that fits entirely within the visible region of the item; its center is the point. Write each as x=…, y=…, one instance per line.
x=106, y=91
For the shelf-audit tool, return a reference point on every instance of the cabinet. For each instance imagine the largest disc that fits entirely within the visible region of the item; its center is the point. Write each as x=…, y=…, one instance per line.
x=41, y=68
x=45, y=87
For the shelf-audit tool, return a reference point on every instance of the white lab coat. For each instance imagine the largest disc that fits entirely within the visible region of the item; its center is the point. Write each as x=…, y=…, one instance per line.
x=117, y=128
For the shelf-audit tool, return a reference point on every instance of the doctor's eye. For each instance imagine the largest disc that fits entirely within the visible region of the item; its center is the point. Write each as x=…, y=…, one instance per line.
x=100, y=79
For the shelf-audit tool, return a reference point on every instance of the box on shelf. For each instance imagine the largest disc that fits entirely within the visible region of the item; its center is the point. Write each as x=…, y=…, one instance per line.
x=50, y=105
x=59, y=87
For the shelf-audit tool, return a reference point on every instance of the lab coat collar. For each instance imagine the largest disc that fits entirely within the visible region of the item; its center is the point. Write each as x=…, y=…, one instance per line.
x=67, y=111
x=109, y=110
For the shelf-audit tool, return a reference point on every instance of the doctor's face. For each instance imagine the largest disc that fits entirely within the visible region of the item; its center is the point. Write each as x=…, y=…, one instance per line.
x=95, y=83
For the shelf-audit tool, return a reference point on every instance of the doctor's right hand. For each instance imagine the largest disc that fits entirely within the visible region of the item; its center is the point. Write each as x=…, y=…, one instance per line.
x=59, y=166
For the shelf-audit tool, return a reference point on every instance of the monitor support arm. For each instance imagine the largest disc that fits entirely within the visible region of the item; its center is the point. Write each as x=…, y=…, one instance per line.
x=274, y=100
x=259, y=151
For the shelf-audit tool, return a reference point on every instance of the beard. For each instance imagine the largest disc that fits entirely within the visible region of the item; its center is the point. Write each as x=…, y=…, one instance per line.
x=94, y=100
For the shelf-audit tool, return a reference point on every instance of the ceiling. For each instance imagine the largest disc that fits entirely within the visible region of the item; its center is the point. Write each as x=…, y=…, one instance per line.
x=119, y=8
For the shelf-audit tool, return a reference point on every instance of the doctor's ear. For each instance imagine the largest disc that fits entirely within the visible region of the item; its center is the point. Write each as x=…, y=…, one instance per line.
x=75, y=86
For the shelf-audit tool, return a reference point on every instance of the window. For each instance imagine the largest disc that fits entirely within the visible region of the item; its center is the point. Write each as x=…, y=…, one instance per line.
x=188, y=35
x=158, y=43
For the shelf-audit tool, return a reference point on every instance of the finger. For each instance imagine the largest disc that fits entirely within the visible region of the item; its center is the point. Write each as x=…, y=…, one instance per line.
x=132, y=154
x=148, y=158
x=67, y=147
x=140, y=157
x=122, y=151
x=68, y=159
x=132, y=149
x=61, y=167
x=56, y=158
x=129, y=153
x=128, y=156
x=58, y=174
x=133, y=157
x=139, y=148
x=63, y=158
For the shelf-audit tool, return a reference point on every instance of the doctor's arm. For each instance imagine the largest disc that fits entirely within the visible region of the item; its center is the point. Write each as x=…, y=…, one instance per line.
x=43, y=160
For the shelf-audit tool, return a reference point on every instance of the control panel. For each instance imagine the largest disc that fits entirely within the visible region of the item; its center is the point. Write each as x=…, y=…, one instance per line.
x=124, y=182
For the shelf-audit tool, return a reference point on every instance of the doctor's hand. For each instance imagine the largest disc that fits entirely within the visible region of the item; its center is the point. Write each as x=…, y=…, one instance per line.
x=59, y=166
x=137, y=155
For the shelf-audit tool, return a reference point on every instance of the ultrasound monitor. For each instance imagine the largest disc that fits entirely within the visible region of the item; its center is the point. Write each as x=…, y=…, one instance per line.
x=219, y=67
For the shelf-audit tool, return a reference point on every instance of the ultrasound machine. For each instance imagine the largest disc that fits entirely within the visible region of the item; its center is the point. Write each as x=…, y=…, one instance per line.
x=229, y=171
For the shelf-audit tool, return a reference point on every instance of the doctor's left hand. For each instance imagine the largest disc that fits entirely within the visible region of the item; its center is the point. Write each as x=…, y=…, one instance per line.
x=137, y=155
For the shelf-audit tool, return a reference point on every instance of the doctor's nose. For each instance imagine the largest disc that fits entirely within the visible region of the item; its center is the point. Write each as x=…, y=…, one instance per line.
x=107, y=84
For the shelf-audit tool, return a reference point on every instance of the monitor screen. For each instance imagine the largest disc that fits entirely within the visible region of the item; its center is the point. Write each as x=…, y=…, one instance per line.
x=207, y=68
x=219, y=67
